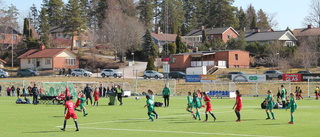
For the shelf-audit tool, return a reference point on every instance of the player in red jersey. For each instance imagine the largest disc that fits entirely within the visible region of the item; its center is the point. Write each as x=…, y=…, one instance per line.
x=78, y=101
x=238, y=105
x=67, y=92
x=70, y=106
x=207, y=100
x=96, y=96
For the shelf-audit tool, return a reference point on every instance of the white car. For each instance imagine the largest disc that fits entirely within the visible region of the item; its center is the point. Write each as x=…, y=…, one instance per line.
x=152, y=74
x=110, y=72
x=81, y=72
x=3, y=74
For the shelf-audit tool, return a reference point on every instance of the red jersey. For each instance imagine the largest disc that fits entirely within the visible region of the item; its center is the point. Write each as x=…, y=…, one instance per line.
x=67, y=92
x=208, y=103
x=70, y=106
x=239, y=103
x=61, y=96
x=96, y=95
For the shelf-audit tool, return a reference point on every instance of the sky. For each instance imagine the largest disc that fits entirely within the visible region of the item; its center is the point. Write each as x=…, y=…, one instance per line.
x=288, y=13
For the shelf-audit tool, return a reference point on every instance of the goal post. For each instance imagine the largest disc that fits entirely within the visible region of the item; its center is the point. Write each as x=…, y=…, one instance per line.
x=156, y=85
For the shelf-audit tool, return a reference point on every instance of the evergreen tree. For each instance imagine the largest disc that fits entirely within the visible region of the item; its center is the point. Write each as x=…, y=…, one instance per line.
x=27, y=32
x=251, y=15
x=55, y=12
x=253, y=24
x=243, y=22
x=145, y=9
x=237, y=43
x=175, y=15
x=150, y=64
x=222, y=14
x=181, y=47
x=190, y=16
x=100, y=12
x=149, y=47
x=204, y=36
x=44, y=27
x=262, y=20
x=172, y=48
x=76, y=23
x=34, y=17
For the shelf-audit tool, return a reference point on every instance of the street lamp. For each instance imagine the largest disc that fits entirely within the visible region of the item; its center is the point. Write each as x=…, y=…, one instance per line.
x=278, y=58
x=132, y=62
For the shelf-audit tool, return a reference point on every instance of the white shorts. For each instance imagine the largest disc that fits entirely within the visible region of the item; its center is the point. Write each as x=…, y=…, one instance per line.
x=283, y=99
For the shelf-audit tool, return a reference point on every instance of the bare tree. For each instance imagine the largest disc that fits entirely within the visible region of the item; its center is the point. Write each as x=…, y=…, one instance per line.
x=120, y=31
x=307, y=52
x=272, y=21
x=313, y=17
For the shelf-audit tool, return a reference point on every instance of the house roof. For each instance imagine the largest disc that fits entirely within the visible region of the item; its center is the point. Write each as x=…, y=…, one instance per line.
x=205, y=52
x=306, y=32
x=56, y=29
x=210, y=31
x=8, y=30
x=265, y=36
x=45, y=53
x=261, y=30
x=166, y=36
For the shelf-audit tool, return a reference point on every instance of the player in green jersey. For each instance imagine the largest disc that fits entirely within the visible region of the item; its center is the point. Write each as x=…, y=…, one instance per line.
x=150, y=105
x=189, y=105
x=197, y=104
x=283, y=96
x=293, y=106
x=269, y=103
x=82, y=101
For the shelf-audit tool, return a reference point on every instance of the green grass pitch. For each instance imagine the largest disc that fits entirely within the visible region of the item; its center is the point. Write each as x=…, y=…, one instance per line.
x=131, y=119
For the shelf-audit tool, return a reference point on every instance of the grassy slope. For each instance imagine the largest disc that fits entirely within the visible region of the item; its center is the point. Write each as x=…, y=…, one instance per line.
x=131, y=120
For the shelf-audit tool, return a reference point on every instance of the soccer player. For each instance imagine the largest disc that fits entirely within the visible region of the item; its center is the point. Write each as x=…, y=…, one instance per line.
x=293, y=106
x=207, y=100
x=166, y=95
x=151, y=95
x=238, y=105
x=269, y=103
x=96, y=96
x=283, y=96
x=150, y=105
x=197, y=104
x=82, y=101
x=316, y=91
x=70, y=106
x=189, y=105
x=78, y=101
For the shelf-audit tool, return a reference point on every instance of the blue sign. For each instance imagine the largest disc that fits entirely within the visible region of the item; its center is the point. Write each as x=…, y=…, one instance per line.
x=193, y=78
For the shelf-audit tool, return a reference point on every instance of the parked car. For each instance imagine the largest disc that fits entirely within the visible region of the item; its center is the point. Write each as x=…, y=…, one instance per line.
x=232, y=73
x=304, y=72
x=110, y=72
x=152, y=74
x=273, y=74
x=177, y=74
x=27, y=72
x=3, y=74
x=81, y=72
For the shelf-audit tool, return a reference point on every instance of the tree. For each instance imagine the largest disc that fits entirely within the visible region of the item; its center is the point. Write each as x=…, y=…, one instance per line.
x=238, y=43
x=313, y=17
x=251, y=16
x=222, y=14
x=145, y=9
x=44, y=27
x=9, y=17
x=243, y=22
x=190, y=15
x=204, y=36
x=149, y=47
x=34, y=17
x=172, y=48
x=181, y=47
x=55, y=12
x=253, y=24
x=150, y=64
x=262, y=20
x=75, y=21
x=173, y=16
x=27, y=32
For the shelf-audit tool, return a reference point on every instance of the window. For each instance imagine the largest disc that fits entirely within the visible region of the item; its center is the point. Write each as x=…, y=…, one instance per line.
x=33, y=61
x=48, y=61
x=14, y=37
x=236, y=56
x=173, y=60
x=71, y=62
x=29, y=61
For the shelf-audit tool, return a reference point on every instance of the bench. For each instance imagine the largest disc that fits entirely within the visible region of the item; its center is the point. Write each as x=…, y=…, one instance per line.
x=46, y=99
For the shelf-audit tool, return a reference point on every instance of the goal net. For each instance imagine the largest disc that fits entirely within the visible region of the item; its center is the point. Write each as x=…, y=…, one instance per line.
x=156, y=85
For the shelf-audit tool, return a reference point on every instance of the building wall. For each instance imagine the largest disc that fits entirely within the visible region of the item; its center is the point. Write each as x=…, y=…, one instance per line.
x=238, y=59
x=229, y=34
x=181, y=62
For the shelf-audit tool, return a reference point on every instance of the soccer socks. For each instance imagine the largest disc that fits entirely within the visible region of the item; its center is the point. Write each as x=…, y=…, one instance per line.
x=206, y=116
x=84, y=112
x=212, y=115
x=292, y=118
x=268, y=115
x=273, y=115
x=76, y=123
x=198, y=115
x=64, y=125
x=190, y=111
x=97, y=103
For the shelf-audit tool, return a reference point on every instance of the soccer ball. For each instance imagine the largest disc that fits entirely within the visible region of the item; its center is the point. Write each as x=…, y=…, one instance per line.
x=137, y=98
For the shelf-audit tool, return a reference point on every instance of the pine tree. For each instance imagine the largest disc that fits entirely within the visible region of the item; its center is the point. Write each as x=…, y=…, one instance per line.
x=75, y=22
x=145, y=9
x=175, y=15
x=253, y=24
x=204, y=36
x=222, y=14
x=150, y=64
x=250, y=14
x=243, y=22
x=262, y=21
x=55, y=12
x=181, y=47
x=44, y=27
x=26, y=29
x=34, y=17
x=172, y=48
x=149, y=47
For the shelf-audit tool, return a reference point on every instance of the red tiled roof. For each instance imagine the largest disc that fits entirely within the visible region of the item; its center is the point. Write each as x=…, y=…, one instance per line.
x=3, y=61
x=45, y=53
x=169, y=37
x=306, y=32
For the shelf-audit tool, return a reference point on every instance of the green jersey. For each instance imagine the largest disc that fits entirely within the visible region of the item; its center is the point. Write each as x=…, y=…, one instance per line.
x=189, y=101
x=166, y=91
x=82, y=100
x=292, y=105
x=270, y=102
x=196, y=102
x=150, y=105
x=283, y=93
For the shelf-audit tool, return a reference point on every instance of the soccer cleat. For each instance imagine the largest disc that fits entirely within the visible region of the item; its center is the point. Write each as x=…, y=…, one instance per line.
x=267, y=118
x=157, y=116
x=238, y=120
x=214, y=119
x=85, y=114
x=205, y=121
x=62, y=129
x=273, y=119
x=290, y=122
x=77, y=129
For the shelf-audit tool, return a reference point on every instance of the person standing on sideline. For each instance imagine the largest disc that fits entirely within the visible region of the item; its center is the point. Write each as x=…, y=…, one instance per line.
x=88, y=92
x=12, y=90
x=96, y=96
x=35, y=93
x=316, y=91
x=293, y=106
x=189, y=105
x=70, y=106
x=24, y=91
x=150, y=105
x=207, y=100
x=8, y=91
x=283, y=96
x=238, y=106
x=166, y=95
x=101, y=91
x=269, y=103
x=18, y=91
x=119, y=92
x=0, y=89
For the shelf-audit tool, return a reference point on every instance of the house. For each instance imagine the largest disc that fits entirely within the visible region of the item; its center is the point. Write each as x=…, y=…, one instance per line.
x=53, y=58
x=162, y=38
x=283, y=38
x=310, y=31
x=8, y=37
x=2, y=62
x=220, y=58
x=58, y=33
x=194, y=37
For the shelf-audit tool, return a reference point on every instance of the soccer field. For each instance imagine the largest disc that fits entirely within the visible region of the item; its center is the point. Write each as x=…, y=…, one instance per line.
x=131, y=119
